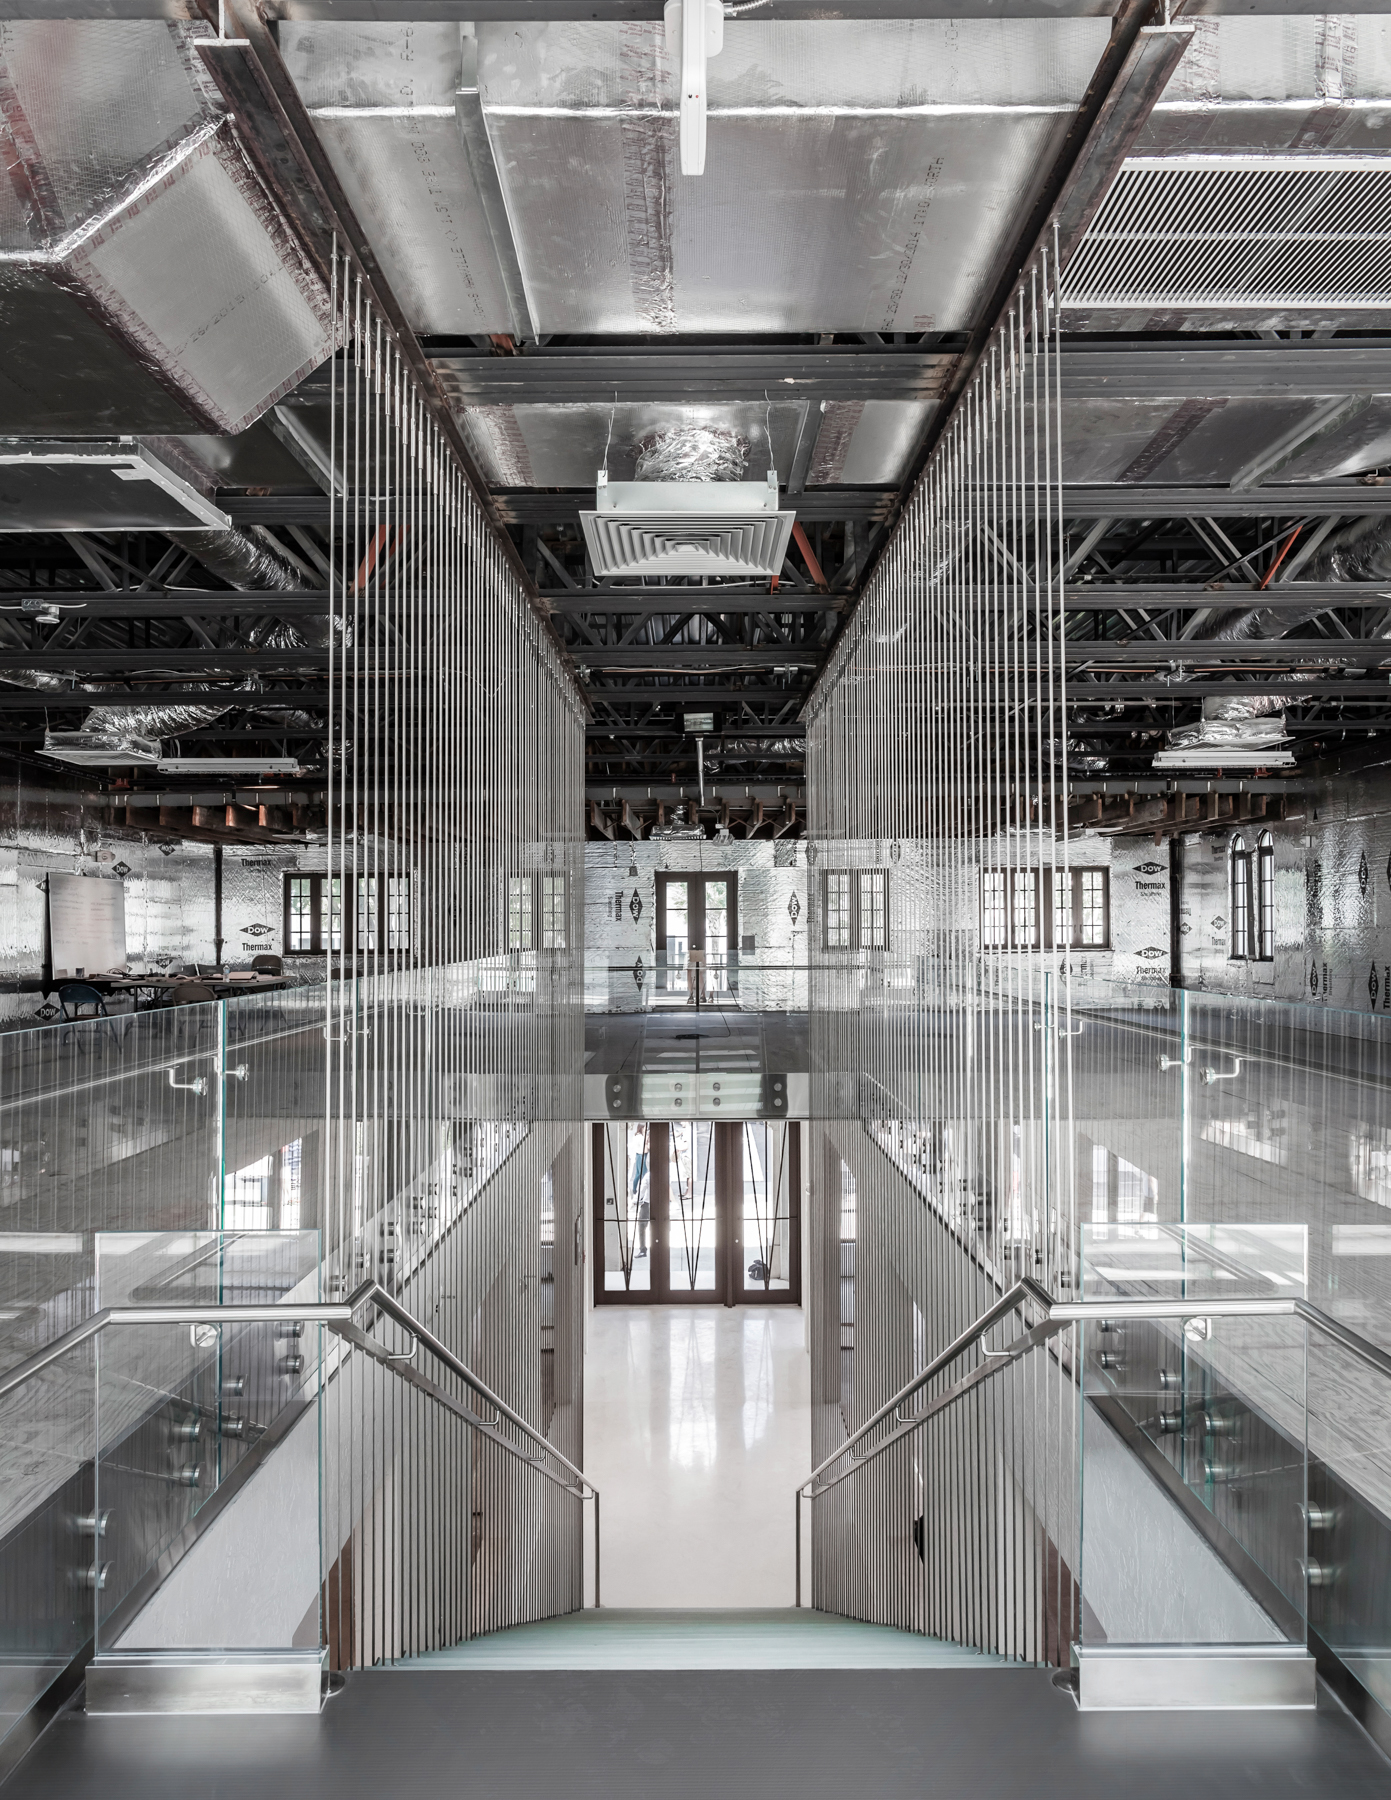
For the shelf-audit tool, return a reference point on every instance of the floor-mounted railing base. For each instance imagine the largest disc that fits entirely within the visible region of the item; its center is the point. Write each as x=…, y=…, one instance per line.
x=1194, y=1677
x=207, y=1681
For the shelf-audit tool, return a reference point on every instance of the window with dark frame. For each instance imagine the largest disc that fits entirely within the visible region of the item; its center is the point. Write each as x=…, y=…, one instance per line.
x=538, y=911
x=1265, y=898
x=856, y=903
x=313, y=923
x=396, y=935
x=1045, y=909
x=1240, y=898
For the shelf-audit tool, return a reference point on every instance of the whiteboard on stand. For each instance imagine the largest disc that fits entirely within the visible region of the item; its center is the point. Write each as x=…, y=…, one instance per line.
x=86, y=924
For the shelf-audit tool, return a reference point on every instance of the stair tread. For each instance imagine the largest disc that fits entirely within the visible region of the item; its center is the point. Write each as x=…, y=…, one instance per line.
x=757, y=1638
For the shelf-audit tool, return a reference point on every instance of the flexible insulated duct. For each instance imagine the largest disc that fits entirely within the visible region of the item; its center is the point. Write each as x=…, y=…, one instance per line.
x=1359, y=552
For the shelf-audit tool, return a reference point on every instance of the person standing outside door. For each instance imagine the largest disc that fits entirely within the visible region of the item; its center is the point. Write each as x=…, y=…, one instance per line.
x=695, y=975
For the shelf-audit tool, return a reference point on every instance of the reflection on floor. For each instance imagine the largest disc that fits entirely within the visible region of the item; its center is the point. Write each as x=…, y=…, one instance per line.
x=697, y=1428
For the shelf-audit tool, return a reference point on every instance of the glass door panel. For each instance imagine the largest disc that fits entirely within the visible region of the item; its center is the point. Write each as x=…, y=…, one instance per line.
x=767, y=1230
x=624, y=1177
x=716, y=936
x=678, y=935
x=693, y=1237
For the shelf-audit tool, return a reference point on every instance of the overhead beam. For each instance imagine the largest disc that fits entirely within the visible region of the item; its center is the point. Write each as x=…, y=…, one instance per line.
x=1292, y=596
x=693, y=659
x=1150, y=500
x=203, y=603
x=238, y=699
x=1220, y=369
x=688, y=695
x=151, y=662
x=684, y=376
x=543, y=506
x=1147, y=652
x=600, y=603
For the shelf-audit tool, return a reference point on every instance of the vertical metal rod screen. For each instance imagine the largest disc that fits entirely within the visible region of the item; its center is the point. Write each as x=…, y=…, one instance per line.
x=454, y=1039
x=937, y=819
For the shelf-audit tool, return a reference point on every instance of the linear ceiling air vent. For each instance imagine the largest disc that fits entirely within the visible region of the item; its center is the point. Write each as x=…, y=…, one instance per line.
x=687, y=528
x=1238, y=231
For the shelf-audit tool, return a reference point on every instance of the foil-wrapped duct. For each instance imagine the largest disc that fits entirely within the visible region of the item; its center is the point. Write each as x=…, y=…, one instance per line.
x=737, y=747
x=1232, y=727
x=681, y=826
x=692, y=453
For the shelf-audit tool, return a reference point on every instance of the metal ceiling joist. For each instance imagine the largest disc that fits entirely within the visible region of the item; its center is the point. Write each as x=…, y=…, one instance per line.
x=1245, y=653
x=1145, y=500
x=478, y=147
x=207, y=603
x=686, y=694
x=164, y=694
x=151, y=661
x=1294, y=596
x=701, y=377
x=604, y=603
x=1218, y=369
x=543, y=506
x=695, y=659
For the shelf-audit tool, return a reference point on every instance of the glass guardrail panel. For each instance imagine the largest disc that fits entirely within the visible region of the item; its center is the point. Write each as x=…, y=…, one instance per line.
x=104, y=1123
x=1291, y=1115
x=1349, y=1512
x=1193, y=1472
x=1120, y=1056
x=51, y=1537
x=182, y=1407
x=1156, y=1260
x=273, y=1145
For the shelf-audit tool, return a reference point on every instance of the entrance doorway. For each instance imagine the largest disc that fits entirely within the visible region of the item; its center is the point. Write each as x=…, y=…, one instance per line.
x=693, y=1210
x=696, y=910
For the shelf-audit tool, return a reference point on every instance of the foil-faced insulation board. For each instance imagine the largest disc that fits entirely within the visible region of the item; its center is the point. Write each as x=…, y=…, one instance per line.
x=900, y=150
x=161, y=239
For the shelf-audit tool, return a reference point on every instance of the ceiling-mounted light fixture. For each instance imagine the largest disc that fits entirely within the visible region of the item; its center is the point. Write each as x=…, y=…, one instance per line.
x=695, y=31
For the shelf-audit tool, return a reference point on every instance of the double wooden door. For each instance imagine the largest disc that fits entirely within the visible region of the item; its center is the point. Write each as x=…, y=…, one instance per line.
x=695, y=1210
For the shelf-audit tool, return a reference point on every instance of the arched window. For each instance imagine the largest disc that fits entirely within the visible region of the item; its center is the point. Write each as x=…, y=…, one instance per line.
x=1265, y=897
x=1239, y=866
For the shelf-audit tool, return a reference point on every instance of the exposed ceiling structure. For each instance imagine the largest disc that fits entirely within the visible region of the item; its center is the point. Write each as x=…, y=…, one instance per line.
x=873, y=183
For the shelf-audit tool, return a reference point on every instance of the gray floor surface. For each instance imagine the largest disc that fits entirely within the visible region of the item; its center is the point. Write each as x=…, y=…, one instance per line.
x=940, y=1734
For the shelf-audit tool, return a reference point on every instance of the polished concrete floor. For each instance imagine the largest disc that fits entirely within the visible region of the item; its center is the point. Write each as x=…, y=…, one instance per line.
x=697, y=1430
x=845, y=1734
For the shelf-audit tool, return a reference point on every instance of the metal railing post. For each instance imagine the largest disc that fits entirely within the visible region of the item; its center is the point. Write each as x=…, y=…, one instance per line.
x=797, y=1538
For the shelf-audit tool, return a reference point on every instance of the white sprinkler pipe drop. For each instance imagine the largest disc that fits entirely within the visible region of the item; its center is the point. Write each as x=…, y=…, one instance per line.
x=696, y=29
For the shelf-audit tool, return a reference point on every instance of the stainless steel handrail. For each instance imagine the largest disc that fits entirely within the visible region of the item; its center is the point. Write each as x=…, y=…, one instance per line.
x=340, y=1318
x=1057, y=1314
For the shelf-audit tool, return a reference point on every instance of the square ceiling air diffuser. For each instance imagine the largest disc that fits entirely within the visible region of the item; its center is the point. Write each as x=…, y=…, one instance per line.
x=691, y=528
